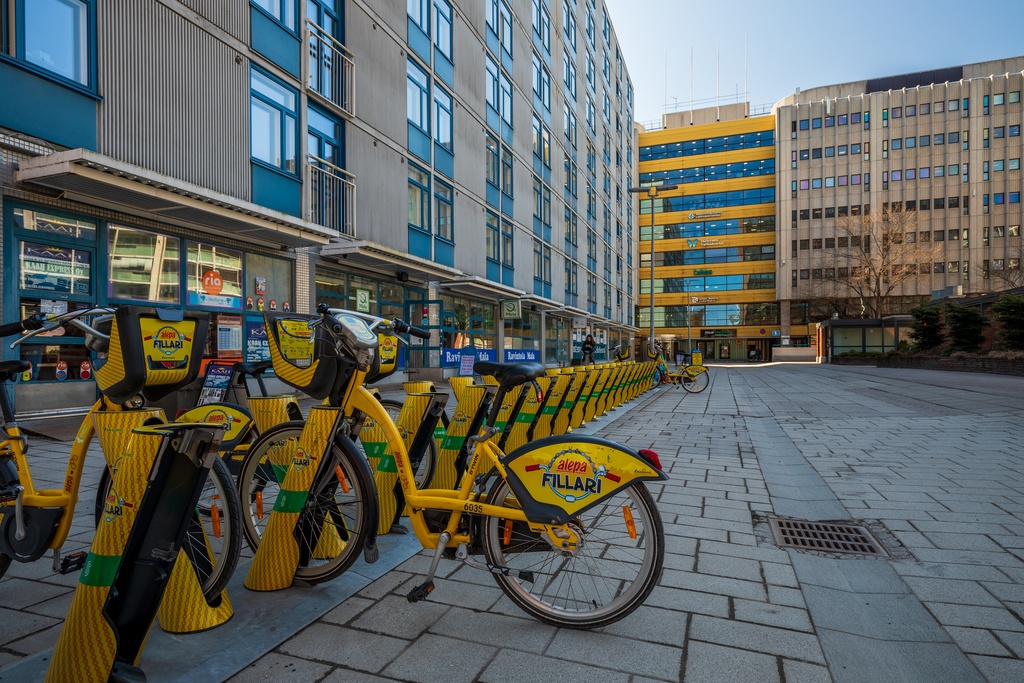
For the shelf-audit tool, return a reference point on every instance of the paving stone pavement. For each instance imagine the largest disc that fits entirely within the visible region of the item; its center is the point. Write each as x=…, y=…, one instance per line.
x=932, y=462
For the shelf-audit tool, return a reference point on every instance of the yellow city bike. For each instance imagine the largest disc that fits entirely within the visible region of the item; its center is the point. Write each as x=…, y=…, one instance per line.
x=127, y=375
x=565, y=524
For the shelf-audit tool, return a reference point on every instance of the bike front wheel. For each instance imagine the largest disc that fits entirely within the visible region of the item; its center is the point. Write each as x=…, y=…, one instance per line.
x=696, y=383
x=334, y=520
x=213, y=542
x=613, y=569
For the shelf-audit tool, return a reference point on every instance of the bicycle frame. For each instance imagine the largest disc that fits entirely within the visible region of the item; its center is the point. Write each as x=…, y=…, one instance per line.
x=457, y=501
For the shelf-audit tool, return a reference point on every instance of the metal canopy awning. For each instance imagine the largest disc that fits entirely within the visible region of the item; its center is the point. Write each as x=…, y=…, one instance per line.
x=541, y=303
x=385, y=260
x=479, y=287
x=96, y=179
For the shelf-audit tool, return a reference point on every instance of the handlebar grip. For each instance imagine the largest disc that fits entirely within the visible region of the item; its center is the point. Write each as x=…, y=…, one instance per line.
x=333, y=324
x=404, y=327
x=11, y=329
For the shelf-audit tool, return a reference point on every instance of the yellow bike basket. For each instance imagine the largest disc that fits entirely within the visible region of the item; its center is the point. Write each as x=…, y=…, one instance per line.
x=304, y=355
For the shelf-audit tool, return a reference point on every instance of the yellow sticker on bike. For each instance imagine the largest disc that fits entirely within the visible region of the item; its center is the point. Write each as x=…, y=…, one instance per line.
x=573, y=474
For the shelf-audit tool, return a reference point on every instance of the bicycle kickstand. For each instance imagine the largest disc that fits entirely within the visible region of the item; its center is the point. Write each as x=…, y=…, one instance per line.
x=423, y=590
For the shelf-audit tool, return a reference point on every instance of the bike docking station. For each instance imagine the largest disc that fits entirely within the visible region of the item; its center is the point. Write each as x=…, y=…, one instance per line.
x=131, y=565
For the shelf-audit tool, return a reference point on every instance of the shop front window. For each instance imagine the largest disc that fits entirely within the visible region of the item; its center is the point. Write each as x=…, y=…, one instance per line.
x=214, y=276
x=144, y=266
x=269, y=284
x=37, y=221
x=60, y=270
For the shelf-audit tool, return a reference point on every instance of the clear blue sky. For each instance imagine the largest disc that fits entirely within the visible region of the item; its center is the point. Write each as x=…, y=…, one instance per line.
x=798, y=43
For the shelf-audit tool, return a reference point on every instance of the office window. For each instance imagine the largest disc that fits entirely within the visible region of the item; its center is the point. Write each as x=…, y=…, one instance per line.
x=53, y=35
x=897, y=112
x=591, y=114
x=910, y=142
x=493, y=227
x=570, y=74
x=953, y=138
x=998, y=132
x=1015, y=130
x=998, y=165
x=939, y=139
x=911, y=110
x=442, y=117
x=505, y=32
x=443, y=27
x=569, y=25
x=443, y=211
x=491, y=92
x=816, y=153
x=896, y=144
x=541, y=81
x=419, y=11
x=830, y=152
x=569, y=122
x=542, y=24
x=418, y=97
x=924, y=141
x=1014, y=97
x=541, y=142
x=505, y=85
x=419, y=198
x=507, y=254
x=274, y=121
x=493, y=163
x=506, y=171
x=1014, y=164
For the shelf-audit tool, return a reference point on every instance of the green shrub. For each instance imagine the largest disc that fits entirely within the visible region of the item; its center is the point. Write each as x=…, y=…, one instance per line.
x=926, y=331
x=1009, y=310
x=965, y=328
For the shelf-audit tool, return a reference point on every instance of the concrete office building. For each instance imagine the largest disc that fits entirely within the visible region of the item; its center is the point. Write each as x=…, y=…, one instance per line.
x=944, y=144
x=714, y=236
x=427, y=161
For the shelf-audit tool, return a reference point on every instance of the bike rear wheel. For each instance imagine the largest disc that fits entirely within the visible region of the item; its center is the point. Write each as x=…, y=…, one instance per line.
x=610, y=574
x=697, y=383
x=333, y=522
x=214, y=528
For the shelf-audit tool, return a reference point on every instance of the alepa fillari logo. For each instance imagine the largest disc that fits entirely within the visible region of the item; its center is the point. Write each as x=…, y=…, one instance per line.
x=573, y=476
x=168, y=340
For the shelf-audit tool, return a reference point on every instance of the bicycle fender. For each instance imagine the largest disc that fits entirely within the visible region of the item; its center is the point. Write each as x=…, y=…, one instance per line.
x=560, y=477
x=237, y=419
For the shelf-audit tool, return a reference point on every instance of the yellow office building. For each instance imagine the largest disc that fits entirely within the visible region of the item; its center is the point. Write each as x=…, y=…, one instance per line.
x=714, y=236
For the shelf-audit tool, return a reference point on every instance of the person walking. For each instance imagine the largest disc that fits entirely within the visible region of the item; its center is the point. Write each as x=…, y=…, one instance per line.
x=587, y=350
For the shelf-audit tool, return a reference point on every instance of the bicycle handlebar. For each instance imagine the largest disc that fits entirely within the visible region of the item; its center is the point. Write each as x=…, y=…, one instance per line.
x=399, y=326
x=44, y=322
x=33, y=322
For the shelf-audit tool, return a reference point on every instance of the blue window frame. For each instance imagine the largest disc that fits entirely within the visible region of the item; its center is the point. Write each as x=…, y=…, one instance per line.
x=443, y=24
x=282, y=11
x=56, y=37
x=418, y=97
x=274, y=121
x=442, y=117
x=419, y=198
x=444, y=211
x=419, y=13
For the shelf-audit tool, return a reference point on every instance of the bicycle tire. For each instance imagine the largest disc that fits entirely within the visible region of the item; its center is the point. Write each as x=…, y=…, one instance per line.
x=257, y=472
x=427, y=465
x=226, y=547
x=697, y=383
x=332, y=514
x=629, y=571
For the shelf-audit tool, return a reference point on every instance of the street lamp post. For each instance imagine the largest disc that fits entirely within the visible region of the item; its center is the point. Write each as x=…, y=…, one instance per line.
x=652, y=194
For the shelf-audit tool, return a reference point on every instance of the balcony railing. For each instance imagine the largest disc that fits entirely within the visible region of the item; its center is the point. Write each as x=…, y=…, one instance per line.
x=332, y=196
x=331, y=69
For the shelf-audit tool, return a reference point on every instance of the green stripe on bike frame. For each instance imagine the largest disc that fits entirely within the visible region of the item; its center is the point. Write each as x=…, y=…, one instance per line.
x=290, y=501
x=549, y=410
x=99, y=570
x=279, y=472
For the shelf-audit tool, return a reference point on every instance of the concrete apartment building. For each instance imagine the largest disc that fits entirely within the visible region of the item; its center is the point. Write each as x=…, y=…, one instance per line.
x=428, y=161
x=944, y=144
x=714, y=236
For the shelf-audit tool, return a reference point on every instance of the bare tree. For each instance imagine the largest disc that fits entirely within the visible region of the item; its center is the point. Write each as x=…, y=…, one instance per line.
x=883, y=254
x=1007, y=271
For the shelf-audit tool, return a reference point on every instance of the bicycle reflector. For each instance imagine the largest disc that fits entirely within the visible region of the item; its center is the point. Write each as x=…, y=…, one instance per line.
x=651, y=456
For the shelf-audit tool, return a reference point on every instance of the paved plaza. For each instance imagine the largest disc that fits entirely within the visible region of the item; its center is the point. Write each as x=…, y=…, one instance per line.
x=932, y=463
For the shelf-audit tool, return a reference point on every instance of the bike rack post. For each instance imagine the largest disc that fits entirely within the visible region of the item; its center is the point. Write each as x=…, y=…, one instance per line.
x=412, y=418
x=154, y=491
x=185, y=608
x=273, y=567
x=577, y=417
x=469, y=415
x=270, y=411
x=560, y=425
x=526, y=416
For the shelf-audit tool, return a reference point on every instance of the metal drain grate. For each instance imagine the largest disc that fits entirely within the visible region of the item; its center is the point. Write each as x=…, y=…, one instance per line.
x=824, y=536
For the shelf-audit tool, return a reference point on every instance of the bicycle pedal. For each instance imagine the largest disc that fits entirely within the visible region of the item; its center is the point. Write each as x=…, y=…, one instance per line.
x=420, y=592
x=73, y=562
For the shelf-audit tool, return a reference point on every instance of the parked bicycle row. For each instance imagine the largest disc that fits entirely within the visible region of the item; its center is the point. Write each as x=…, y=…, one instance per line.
x=564, y=523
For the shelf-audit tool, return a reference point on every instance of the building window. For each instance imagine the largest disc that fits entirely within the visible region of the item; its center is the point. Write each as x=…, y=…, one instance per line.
x=569, y=25
x=493, y=164
x=506, y=98
x=418, y=97
x=274, y=121
x=542, y=24
x=144, y=266
x=419, y=199
x=541, y=82
x=56, y=36
x=570, y=74
x=541, y=142
x=507, y=256
x=493, y=237
x=419, y=11
x=443, y=210
x=442, y=117
x=443, y=21
x=505, y=32
x=506, y=171
x=570, y=125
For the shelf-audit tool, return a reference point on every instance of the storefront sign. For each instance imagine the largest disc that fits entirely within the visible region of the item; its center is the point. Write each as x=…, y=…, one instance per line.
x=256, y=348
x=363, y=300
x=85, y=370
x=702, y=271
x=212, y=282
x=704, y=214
x=451, y=358
x=62, y=370
x=522, y=356
x=229, y=336
x=511, y=309
x=703, y=299
x=719, y=333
